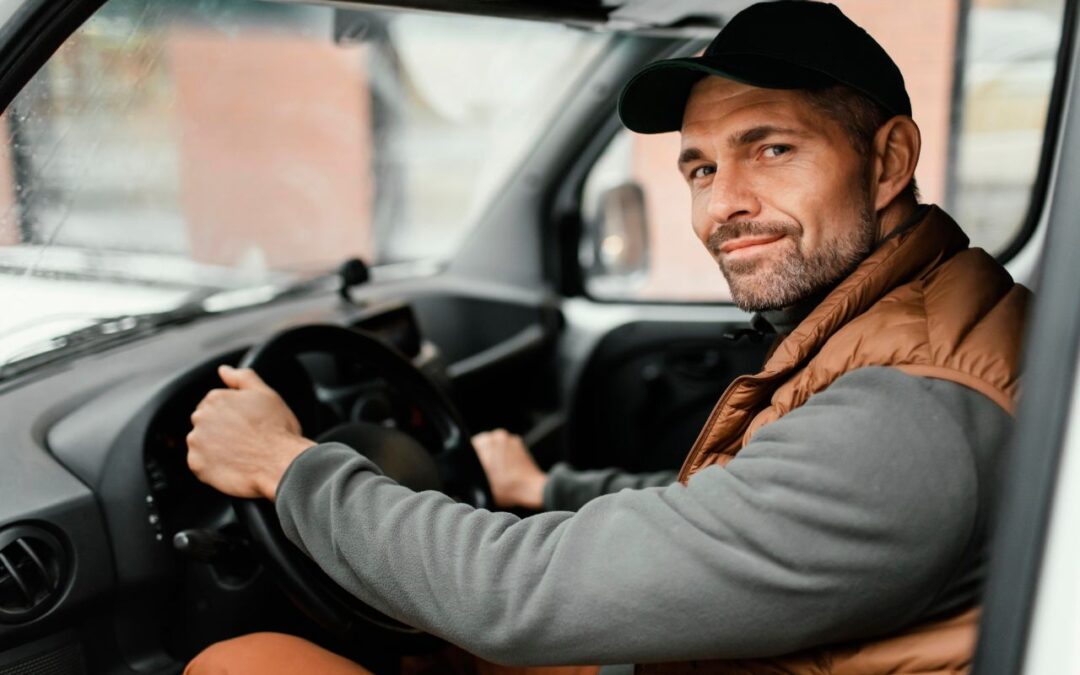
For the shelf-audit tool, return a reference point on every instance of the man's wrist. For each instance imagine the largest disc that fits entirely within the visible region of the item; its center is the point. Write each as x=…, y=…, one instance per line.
x=289, y=449
x=531, y=495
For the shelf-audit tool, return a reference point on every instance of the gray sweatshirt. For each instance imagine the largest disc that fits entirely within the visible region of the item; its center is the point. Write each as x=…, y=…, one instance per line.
x=855, y=515
x=568, y=489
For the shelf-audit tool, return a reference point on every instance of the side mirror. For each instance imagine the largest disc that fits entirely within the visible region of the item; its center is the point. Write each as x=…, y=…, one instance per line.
x=619, y=233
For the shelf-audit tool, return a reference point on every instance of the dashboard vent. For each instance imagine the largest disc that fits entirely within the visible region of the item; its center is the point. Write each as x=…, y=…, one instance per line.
x=32, y=570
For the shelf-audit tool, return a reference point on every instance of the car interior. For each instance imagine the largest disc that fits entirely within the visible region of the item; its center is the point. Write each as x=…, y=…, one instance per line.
x=555, y=305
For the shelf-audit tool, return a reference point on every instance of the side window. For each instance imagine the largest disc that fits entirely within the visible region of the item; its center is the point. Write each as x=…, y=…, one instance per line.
x=979, y=74
x=673, y=265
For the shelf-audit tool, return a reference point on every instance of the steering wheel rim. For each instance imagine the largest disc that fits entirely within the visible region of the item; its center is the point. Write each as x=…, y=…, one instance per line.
x=311, y=589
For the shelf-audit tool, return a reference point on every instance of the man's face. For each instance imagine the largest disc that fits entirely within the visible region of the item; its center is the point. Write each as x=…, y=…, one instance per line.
x=779, y=195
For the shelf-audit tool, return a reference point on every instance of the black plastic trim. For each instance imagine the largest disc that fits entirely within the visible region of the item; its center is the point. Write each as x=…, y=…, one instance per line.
x=584, y=11
x=52, y=571
x=65, y=647
x=561, y=265
x=32, y=35
x=1020, y=530
x=1051, y=133
x=956, y=112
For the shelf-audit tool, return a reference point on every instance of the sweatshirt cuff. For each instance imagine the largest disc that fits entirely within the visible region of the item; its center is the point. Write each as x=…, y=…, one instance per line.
x=561, y=488
x=311, y=467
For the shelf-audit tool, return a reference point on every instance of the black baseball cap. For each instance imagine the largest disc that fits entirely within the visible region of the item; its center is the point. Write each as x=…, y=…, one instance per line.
x=788, y=44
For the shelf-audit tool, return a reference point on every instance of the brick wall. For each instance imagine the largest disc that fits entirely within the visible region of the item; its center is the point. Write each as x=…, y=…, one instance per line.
x=286, y=155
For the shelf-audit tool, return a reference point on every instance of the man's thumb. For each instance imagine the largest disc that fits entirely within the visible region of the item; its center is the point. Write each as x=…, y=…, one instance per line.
x=240, y=378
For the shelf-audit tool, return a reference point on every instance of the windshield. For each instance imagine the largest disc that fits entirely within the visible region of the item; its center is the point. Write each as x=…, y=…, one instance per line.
x=171, y=147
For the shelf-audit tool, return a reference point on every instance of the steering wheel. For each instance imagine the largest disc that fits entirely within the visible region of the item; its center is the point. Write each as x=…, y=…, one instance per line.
x=451, y=467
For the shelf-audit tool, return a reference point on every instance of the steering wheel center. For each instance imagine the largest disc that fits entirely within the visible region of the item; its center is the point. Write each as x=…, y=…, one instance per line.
x=399, y=455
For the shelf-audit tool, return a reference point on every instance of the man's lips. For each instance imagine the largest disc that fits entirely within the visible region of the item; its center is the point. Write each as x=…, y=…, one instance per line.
x=748, y=242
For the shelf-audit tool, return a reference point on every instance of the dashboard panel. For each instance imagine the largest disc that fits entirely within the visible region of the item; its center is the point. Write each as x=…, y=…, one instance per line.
x=94, y=453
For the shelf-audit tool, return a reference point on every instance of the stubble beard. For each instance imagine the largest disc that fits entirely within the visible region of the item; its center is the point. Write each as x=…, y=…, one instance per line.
x=782, y=279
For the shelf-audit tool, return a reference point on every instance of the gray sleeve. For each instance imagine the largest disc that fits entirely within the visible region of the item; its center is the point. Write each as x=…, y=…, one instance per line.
x=844, y=519
x=568, y=489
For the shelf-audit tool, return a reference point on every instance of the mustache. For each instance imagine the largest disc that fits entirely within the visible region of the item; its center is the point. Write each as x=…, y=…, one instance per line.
x=747, y=228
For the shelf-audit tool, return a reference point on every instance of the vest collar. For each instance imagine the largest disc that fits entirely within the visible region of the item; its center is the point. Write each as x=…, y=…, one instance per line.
x=783, y=321
x=904, y=255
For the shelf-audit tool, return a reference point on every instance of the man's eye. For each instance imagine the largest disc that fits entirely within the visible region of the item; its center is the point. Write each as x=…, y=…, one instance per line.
x=777, y=150
x=702, y=171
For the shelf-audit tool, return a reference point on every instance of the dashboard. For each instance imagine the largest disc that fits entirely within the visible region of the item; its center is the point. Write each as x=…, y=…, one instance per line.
x=95, y=456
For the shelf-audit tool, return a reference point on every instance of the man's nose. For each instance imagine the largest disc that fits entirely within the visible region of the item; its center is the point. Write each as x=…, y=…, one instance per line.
x=731, y=198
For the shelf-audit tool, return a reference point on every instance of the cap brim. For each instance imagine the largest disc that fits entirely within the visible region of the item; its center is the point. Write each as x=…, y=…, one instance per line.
x=654, y=100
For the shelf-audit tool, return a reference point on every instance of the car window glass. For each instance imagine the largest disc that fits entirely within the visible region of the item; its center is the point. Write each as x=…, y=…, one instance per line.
x=979, y=74
x=174, y=146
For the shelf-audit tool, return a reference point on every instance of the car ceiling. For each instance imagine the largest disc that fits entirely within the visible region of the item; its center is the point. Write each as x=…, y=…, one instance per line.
x=596, y=14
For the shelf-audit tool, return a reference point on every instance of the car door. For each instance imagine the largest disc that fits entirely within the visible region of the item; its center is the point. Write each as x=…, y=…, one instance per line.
x=1032, y=604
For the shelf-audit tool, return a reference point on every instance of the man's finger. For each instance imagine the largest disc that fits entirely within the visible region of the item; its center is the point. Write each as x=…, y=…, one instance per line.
x=241, y=378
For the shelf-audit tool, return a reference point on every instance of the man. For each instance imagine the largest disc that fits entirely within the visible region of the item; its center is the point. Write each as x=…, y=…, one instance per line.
x=832, y=515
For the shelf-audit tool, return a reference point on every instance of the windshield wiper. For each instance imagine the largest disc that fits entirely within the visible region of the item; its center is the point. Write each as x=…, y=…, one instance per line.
x=115, y=330
x=101, y=334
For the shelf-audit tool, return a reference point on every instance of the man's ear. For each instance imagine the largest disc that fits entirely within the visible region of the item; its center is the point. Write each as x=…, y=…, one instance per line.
x=896, y=153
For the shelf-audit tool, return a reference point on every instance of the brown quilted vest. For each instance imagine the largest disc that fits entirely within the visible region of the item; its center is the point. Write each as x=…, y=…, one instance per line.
x=922, y=302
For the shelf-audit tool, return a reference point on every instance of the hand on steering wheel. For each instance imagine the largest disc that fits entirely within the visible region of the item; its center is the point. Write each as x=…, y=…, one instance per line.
x=448, y=464
x=244, y=437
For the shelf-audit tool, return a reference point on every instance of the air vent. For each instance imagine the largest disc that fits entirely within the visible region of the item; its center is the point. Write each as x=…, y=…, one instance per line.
x=32, y=570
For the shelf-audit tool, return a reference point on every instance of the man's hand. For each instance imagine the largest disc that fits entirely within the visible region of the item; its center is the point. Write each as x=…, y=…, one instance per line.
x=516, y=480
x=244, y=437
